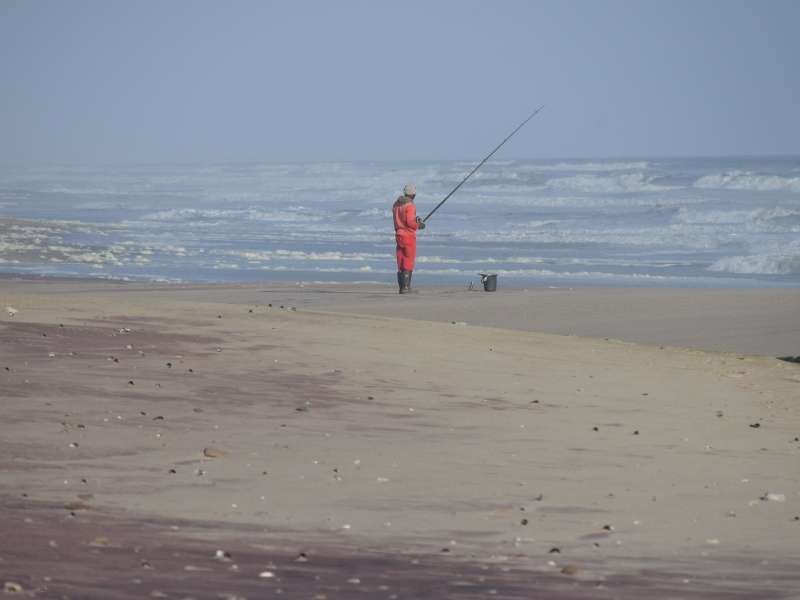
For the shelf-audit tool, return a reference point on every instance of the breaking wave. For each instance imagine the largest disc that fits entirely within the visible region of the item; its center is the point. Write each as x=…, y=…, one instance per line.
x=190, y=215
x=624, y=183
x=747, y=180
x=759, y=264
x=776, y=219
x=299, y=255
x=589, y=166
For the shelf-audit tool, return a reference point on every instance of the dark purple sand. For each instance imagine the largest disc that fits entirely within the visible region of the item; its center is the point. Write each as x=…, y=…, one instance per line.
x=53, y=554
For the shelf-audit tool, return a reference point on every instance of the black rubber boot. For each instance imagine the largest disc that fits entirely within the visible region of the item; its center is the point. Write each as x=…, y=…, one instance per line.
x=400, y=281
x=405, y=282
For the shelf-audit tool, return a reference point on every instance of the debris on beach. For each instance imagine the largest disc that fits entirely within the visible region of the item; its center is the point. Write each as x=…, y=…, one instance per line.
x=100, y=541
x=212, y=452
x=12, y=587
x=11, y=311
x=772, y=497
x=194, y=568
x=570, y=570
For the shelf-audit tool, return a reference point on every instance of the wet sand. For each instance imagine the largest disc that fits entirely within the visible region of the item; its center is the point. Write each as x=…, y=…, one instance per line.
x=747, y=321
x=147, y=427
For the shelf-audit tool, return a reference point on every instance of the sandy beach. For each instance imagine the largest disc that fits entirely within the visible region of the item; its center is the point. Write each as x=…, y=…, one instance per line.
x=256, y=441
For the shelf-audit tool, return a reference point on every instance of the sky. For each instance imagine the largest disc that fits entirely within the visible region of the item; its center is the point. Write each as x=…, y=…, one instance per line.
x=142, y=81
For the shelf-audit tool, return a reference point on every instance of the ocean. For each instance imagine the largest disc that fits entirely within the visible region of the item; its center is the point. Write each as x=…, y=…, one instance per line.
x=694, y=222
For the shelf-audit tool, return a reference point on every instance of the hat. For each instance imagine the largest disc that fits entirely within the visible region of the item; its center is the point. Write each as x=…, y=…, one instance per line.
x=410, y=189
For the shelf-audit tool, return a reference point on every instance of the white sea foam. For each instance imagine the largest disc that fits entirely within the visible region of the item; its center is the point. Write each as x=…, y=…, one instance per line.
x=587, y=166
x=671, y=237
x=299, y=255
x=296, y=215
x=189, y=215
x=624, y=183
x=759, y=264
x=747, y=180
x=775, y=219
x=376, y=212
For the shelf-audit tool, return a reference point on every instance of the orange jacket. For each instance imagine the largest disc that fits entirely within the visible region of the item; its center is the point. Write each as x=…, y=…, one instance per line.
x=405, y=216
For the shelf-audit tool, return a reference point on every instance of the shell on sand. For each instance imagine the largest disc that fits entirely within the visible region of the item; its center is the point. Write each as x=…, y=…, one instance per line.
x=212, y=452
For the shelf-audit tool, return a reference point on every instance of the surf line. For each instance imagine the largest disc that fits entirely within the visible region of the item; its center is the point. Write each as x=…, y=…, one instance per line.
x=480, y=164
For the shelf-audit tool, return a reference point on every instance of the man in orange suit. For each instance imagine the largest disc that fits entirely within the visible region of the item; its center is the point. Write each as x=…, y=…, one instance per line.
x=406, y=223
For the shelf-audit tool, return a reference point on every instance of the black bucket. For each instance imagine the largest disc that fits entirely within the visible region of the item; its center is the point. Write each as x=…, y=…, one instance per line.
x=489, y=281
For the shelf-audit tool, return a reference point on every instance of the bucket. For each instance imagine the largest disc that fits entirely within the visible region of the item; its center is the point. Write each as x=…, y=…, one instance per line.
x=489, y=281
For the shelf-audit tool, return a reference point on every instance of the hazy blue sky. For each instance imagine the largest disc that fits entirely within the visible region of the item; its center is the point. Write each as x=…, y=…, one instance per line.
x=143, y=81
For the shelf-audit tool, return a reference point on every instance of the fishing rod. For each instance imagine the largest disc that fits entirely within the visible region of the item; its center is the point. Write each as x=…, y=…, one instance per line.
x=480, y=164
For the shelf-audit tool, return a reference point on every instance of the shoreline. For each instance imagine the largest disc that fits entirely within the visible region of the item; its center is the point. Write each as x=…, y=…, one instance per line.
x=737, y=320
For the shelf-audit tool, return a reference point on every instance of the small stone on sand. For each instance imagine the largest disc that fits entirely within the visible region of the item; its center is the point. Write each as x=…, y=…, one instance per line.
x=11, y=587
x=570, y=570
x=100, y=541
x=772, y=497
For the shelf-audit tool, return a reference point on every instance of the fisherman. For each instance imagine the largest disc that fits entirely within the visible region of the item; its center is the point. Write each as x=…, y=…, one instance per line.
x=406, y=223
